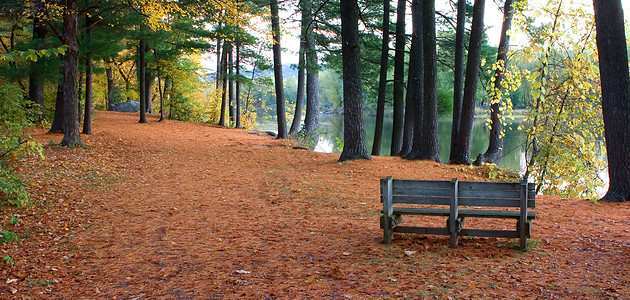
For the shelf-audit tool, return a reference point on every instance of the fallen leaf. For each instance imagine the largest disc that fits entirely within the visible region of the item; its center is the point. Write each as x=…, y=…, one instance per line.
x=243, y=272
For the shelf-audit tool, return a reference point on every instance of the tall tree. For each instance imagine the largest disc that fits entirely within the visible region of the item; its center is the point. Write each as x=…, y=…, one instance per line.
x=87, y=119
x=494, y=153
x=71, y=137
x=613, y=66
x=429, y=133
x=382, y=82
x=399, y=73
x=277, y=70
x=299, y=99
x=231, y=86
x=36, y=80
x=311, y=119
x=458, y=70
x=238, y=86
x=415, y=83
x=57, y=125
x=460, y=153
x=223, y=77
x=142, y=80
x=353, y=131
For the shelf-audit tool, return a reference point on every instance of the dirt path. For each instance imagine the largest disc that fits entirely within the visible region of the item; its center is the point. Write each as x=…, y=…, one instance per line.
x=174, y=210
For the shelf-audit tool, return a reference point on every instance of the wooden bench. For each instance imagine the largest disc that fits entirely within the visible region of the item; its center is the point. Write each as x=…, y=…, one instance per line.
x=457, y=200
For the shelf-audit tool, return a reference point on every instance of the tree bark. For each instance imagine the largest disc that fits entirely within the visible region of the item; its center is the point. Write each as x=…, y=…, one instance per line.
x=110, y=86
x=223, y=77
x=399, y=85
x=458, y=82
x=36, y=78
x=311, y=119
x=142, y=80
x=238, y=85
x=149, y=79
x=353, y=132
x=87, y=118
x=429, y=133
x=415, y=85
x=277, y=71
x=58, y=119
x=231, y=86
x=460, y=153
x=71, y=137
x=382, y=83
x=159, y=80
x=494, y=153
x=613, y=66
x=299, y=99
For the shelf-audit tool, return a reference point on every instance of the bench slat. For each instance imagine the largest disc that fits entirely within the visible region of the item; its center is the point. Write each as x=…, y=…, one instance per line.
x=421, y=230
x=430, y=192
x=494, y=202
x=466, y=213
x=492, y=186
x=432, y=184
x=421, y=200
x=489, y=233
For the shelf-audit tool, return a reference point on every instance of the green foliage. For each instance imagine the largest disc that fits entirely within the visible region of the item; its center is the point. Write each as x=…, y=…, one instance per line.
x=8, y=236
x=7, y=260
x=14, y=143
x=32, y=54
x=564, y=126
x=338, y=148
x=14, y=219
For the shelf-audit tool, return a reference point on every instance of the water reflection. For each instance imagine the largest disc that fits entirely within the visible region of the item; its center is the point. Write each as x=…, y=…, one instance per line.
x=513, y=153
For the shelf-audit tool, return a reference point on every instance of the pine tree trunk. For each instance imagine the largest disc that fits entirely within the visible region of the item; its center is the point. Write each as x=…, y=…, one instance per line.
x=415, y=85
x=299, y=99
x=36, y=80
x=231, y=86
x=110, y=86
x=58, y=119
x=71, y=137
x=277, y=71
x=399, y=85
x=494, y=153
x=458, y=81
x=429, y=133
x=613, y=66
x=382, y=83
x=142, y=80
x=223, y=77
x=148, y=94
x=311, y=119
x=87, y=119
x=238, y=85
x=460, y=153
x=353, y=132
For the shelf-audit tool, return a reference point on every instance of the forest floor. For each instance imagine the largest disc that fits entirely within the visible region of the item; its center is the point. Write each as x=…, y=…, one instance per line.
x=174, y=210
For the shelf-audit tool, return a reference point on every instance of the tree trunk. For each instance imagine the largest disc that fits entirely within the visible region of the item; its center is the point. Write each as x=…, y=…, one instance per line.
x=87, y=119
x=277, y=71
x=415, y=85
x=494, y=153
x=382, y=83
x=353, y=132
x=110, y=86
x=142, y=80
x=429, y=133
x=36, y=80
x=399, y=85
x=71, y=137
x=311, y=119
x=223, y=77
x=149, y=79
x=231, y=85
x=238, y=85
x=460, y=153
x=458, y=81
x=299, y=99
x=159, y=80
x=58, y=120
x=613, y=66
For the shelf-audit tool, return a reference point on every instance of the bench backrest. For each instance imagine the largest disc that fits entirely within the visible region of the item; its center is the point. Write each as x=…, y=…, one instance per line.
x=469, y=193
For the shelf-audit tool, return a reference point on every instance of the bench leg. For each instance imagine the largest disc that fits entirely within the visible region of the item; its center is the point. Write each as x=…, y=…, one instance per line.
x=454, y=229
x=388, y=225
x=524, y=233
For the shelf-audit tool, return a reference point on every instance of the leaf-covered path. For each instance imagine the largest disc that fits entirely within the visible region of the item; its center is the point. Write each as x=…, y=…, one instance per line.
x=173, y=210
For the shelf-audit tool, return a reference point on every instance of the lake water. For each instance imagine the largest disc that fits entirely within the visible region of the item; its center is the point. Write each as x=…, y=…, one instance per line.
x=331, y=128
